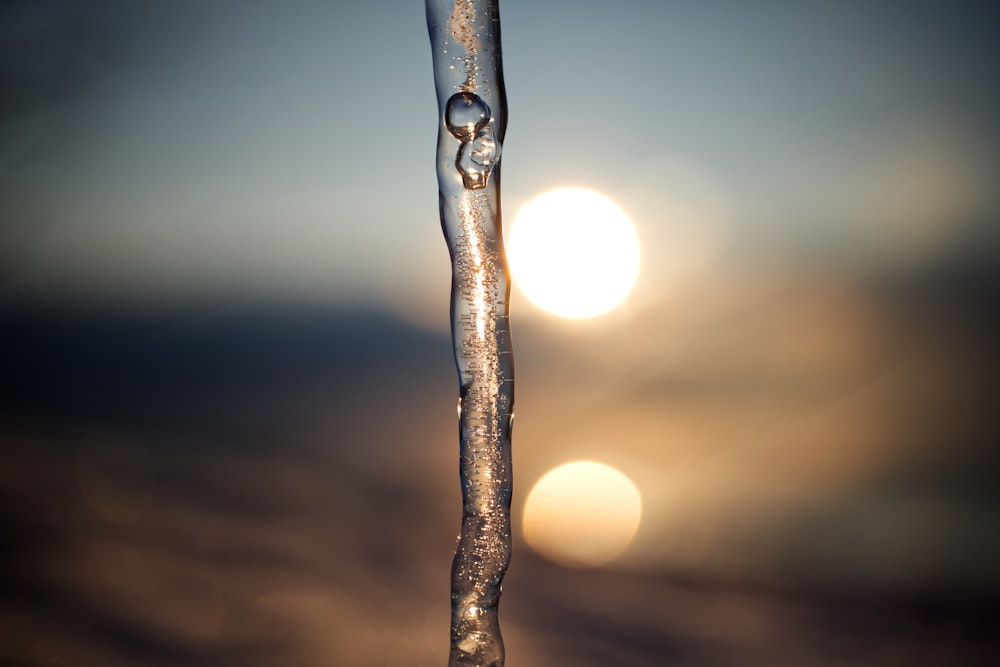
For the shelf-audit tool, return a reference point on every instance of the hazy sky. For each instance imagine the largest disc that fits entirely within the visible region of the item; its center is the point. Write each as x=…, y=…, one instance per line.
x=286, y=148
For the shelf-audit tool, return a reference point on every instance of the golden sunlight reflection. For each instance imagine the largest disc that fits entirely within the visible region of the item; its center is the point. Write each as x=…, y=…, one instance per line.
x=573, y=252
x=582, y=514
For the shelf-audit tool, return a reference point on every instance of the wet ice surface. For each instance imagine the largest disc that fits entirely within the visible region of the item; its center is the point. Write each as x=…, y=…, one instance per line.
x=224, y=488
x=468, y=82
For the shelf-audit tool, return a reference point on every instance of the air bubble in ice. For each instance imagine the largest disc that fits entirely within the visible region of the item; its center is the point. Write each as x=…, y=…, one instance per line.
x=468, y=119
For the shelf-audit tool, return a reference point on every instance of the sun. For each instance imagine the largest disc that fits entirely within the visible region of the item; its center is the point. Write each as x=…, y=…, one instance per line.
x=582, y=514
x=573, y=252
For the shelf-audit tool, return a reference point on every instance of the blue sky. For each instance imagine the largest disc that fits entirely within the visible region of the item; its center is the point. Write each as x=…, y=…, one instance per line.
x=284, y=150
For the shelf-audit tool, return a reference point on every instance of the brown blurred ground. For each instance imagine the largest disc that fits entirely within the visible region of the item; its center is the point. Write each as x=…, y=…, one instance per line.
x=278, y=485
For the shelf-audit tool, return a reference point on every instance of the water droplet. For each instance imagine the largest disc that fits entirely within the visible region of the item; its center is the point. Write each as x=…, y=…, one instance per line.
x=465, y=115
x=468, y=119
x=477, y=158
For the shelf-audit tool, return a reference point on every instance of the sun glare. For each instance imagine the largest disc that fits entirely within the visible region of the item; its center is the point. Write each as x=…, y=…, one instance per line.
x=573, y=253
x=582, y=514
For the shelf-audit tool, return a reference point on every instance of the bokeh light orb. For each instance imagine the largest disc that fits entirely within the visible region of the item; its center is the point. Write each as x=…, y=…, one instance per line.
x=573, y=252
x=582, y=514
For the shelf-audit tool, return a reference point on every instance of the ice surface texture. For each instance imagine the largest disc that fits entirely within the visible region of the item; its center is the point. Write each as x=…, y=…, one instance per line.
x=465, y=38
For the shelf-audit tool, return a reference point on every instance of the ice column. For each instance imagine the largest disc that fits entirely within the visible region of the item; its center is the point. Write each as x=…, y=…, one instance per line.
x=465, y=38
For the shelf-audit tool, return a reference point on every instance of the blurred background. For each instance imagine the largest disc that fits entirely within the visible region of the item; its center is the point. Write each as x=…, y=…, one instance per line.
x=227, y=397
